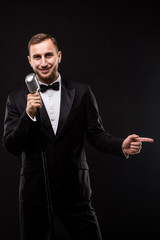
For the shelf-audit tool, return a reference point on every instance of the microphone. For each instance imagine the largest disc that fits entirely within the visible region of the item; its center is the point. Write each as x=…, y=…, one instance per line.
x=32, y=83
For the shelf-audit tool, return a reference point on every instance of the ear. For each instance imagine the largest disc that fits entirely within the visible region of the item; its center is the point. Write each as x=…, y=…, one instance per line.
x=59, y=56
x=29, y=60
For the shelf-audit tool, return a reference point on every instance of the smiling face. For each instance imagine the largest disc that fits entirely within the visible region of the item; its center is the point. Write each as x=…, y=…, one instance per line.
x=44, y=59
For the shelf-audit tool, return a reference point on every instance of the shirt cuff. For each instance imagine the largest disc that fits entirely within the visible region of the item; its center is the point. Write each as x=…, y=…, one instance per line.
x=33, y=119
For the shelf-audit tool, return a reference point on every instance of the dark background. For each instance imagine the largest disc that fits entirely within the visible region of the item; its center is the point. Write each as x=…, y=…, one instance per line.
x=115, y=47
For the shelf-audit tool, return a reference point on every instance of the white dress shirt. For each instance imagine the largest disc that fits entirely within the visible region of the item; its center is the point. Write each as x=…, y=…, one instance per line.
x=52, y=101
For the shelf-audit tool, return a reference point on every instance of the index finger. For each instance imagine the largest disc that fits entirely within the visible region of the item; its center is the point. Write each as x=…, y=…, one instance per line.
x=145, y=139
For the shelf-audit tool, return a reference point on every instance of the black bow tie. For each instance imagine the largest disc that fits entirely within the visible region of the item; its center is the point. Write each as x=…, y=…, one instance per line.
x=54, y=86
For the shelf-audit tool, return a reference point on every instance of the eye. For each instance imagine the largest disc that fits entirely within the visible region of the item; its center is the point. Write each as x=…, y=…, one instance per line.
x=37, y=57
x=49, y=55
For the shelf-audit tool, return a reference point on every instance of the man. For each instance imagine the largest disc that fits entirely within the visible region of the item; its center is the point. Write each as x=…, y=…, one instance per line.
x=66, y=116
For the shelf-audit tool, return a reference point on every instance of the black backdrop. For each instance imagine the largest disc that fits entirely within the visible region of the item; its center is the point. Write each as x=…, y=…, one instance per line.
x=115, y=47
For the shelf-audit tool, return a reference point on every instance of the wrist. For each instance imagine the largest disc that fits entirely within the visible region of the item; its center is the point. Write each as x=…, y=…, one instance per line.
x=125, y=153
x=31, y=113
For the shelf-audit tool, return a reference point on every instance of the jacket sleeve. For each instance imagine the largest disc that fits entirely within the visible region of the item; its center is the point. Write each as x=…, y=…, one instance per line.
x=96, y=135
x=17, y=128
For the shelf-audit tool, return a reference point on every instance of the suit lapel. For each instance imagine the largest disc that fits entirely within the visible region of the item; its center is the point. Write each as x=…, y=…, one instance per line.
x=45, y=122
x=67, y=97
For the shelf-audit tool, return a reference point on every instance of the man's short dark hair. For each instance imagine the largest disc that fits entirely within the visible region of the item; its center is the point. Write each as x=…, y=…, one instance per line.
x=40, y=37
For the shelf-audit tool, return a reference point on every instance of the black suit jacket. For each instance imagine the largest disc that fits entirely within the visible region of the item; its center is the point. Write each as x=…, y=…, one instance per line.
x=65, y=153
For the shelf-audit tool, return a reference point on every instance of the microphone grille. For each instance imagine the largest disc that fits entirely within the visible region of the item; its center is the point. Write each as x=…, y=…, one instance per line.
x=32, y=83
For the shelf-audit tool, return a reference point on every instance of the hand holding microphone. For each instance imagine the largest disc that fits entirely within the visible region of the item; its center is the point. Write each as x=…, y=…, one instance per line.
x=33, y=98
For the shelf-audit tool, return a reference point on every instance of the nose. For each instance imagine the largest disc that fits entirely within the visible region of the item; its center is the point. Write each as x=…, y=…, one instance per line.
x=43, y=62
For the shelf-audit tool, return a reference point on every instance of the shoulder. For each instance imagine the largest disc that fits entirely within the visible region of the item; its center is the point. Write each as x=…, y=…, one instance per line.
x=20, y=92
x=82, y=90
x=78, y=86
x=17, y=97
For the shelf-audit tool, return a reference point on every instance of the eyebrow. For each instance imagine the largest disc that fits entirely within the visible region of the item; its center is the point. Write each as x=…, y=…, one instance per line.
x=38, y=55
